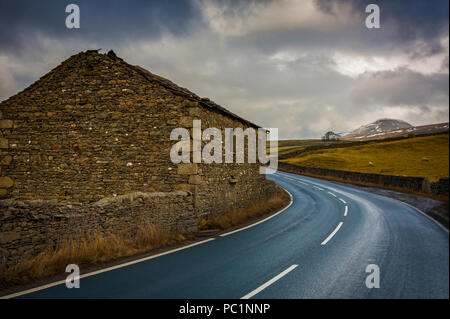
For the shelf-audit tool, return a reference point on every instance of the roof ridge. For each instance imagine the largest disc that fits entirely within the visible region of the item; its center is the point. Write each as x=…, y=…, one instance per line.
x=175, y=89
x=147, y=75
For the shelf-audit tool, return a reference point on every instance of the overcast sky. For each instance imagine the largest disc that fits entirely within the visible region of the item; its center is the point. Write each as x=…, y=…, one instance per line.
x=305, y=66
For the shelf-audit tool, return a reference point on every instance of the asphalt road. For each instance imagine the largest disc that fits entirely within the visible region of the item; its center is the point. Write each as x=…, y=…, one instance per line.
x=319, y=247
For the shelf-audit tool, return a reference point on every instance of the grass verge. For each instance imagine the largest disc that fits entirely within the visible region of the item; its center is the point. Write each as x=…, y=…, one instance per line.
x=95, y=249
x=239, y=216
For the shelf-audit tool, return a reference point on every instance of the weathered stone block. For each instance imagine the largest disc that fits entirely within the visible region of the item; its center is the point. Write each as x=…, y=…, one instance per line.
x=195, y=180
x=194, y=111
x=6, y=182
x=183, y=188
x=102, y=115
x=7, y=237
x=6, y=124
x=186, y=122
x=172, y=122
x=6, y=160
x=426, y=186
x=187, y=169
x=3, y=143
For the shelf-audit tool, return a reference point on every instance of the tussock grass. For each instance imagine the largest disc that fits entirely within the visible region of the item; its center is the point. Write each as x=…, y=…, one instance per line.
x=89, y=251
x=240, y=216
x=419, y=156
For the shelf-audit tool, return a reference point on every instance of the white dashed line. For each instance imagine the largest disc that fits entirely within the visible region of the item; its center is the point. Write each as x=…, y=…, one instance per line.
x=342, y=200
x=271, y=281
x=295, y=180
x=332, y=234
x=332, y=194
x=320, y=189
x=300, y=182
x=346, y=210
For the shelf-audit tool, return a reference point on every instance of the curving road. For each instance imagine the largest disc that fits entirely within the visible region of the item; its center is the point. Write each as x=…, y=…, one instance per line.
x=319, y=247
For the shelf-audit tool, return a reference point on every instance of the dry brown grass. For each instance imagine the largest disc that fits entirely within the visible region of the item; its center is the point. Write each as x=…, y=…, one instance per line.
x=93, y=250
x=240, y=216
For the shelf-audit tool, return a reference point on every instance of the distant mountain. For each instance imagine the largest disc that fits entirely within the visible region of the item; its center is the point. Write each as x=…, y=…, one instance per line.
x=384, y=128
x=380, y=126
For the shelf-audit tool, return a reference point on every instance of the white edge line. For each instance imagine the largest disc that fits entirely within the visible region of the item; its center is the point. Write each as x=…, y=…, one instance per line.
x=263, y=220
x=415, y=208
x=332, y=234
x=56, y=283
x=423, y=213
x=268, y=283
x=346, y=210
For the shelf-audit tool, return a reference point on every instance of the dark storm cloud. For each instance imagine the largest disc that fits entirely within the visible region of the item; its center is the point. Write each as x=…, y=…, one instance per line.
x=106, y=21
x=415, y=19
x=402, y=22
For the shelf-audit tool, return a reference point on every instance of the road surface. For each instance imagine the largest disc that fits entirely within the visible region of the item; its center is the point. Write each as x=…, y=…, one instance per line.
x=319, y=247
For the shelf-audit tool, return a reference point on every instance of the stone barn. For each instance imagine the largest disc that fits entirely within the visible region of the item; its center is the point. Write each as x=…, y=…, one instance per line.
x=330, y=136
x=87, y=146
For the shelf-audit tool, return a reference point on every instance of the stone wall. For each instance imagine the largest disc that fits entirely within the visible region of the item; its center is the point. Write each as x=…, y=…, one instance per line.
x=416, y=184
x=29, y=226
x=219, y=188
x=5, y=158
x=440, y=187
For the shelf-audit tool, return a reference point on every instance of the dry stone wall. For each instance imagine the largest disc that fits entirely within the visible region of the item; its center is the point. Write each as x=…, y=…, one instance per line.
x=5, y=157
x=30, y=226
x=416, y=184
